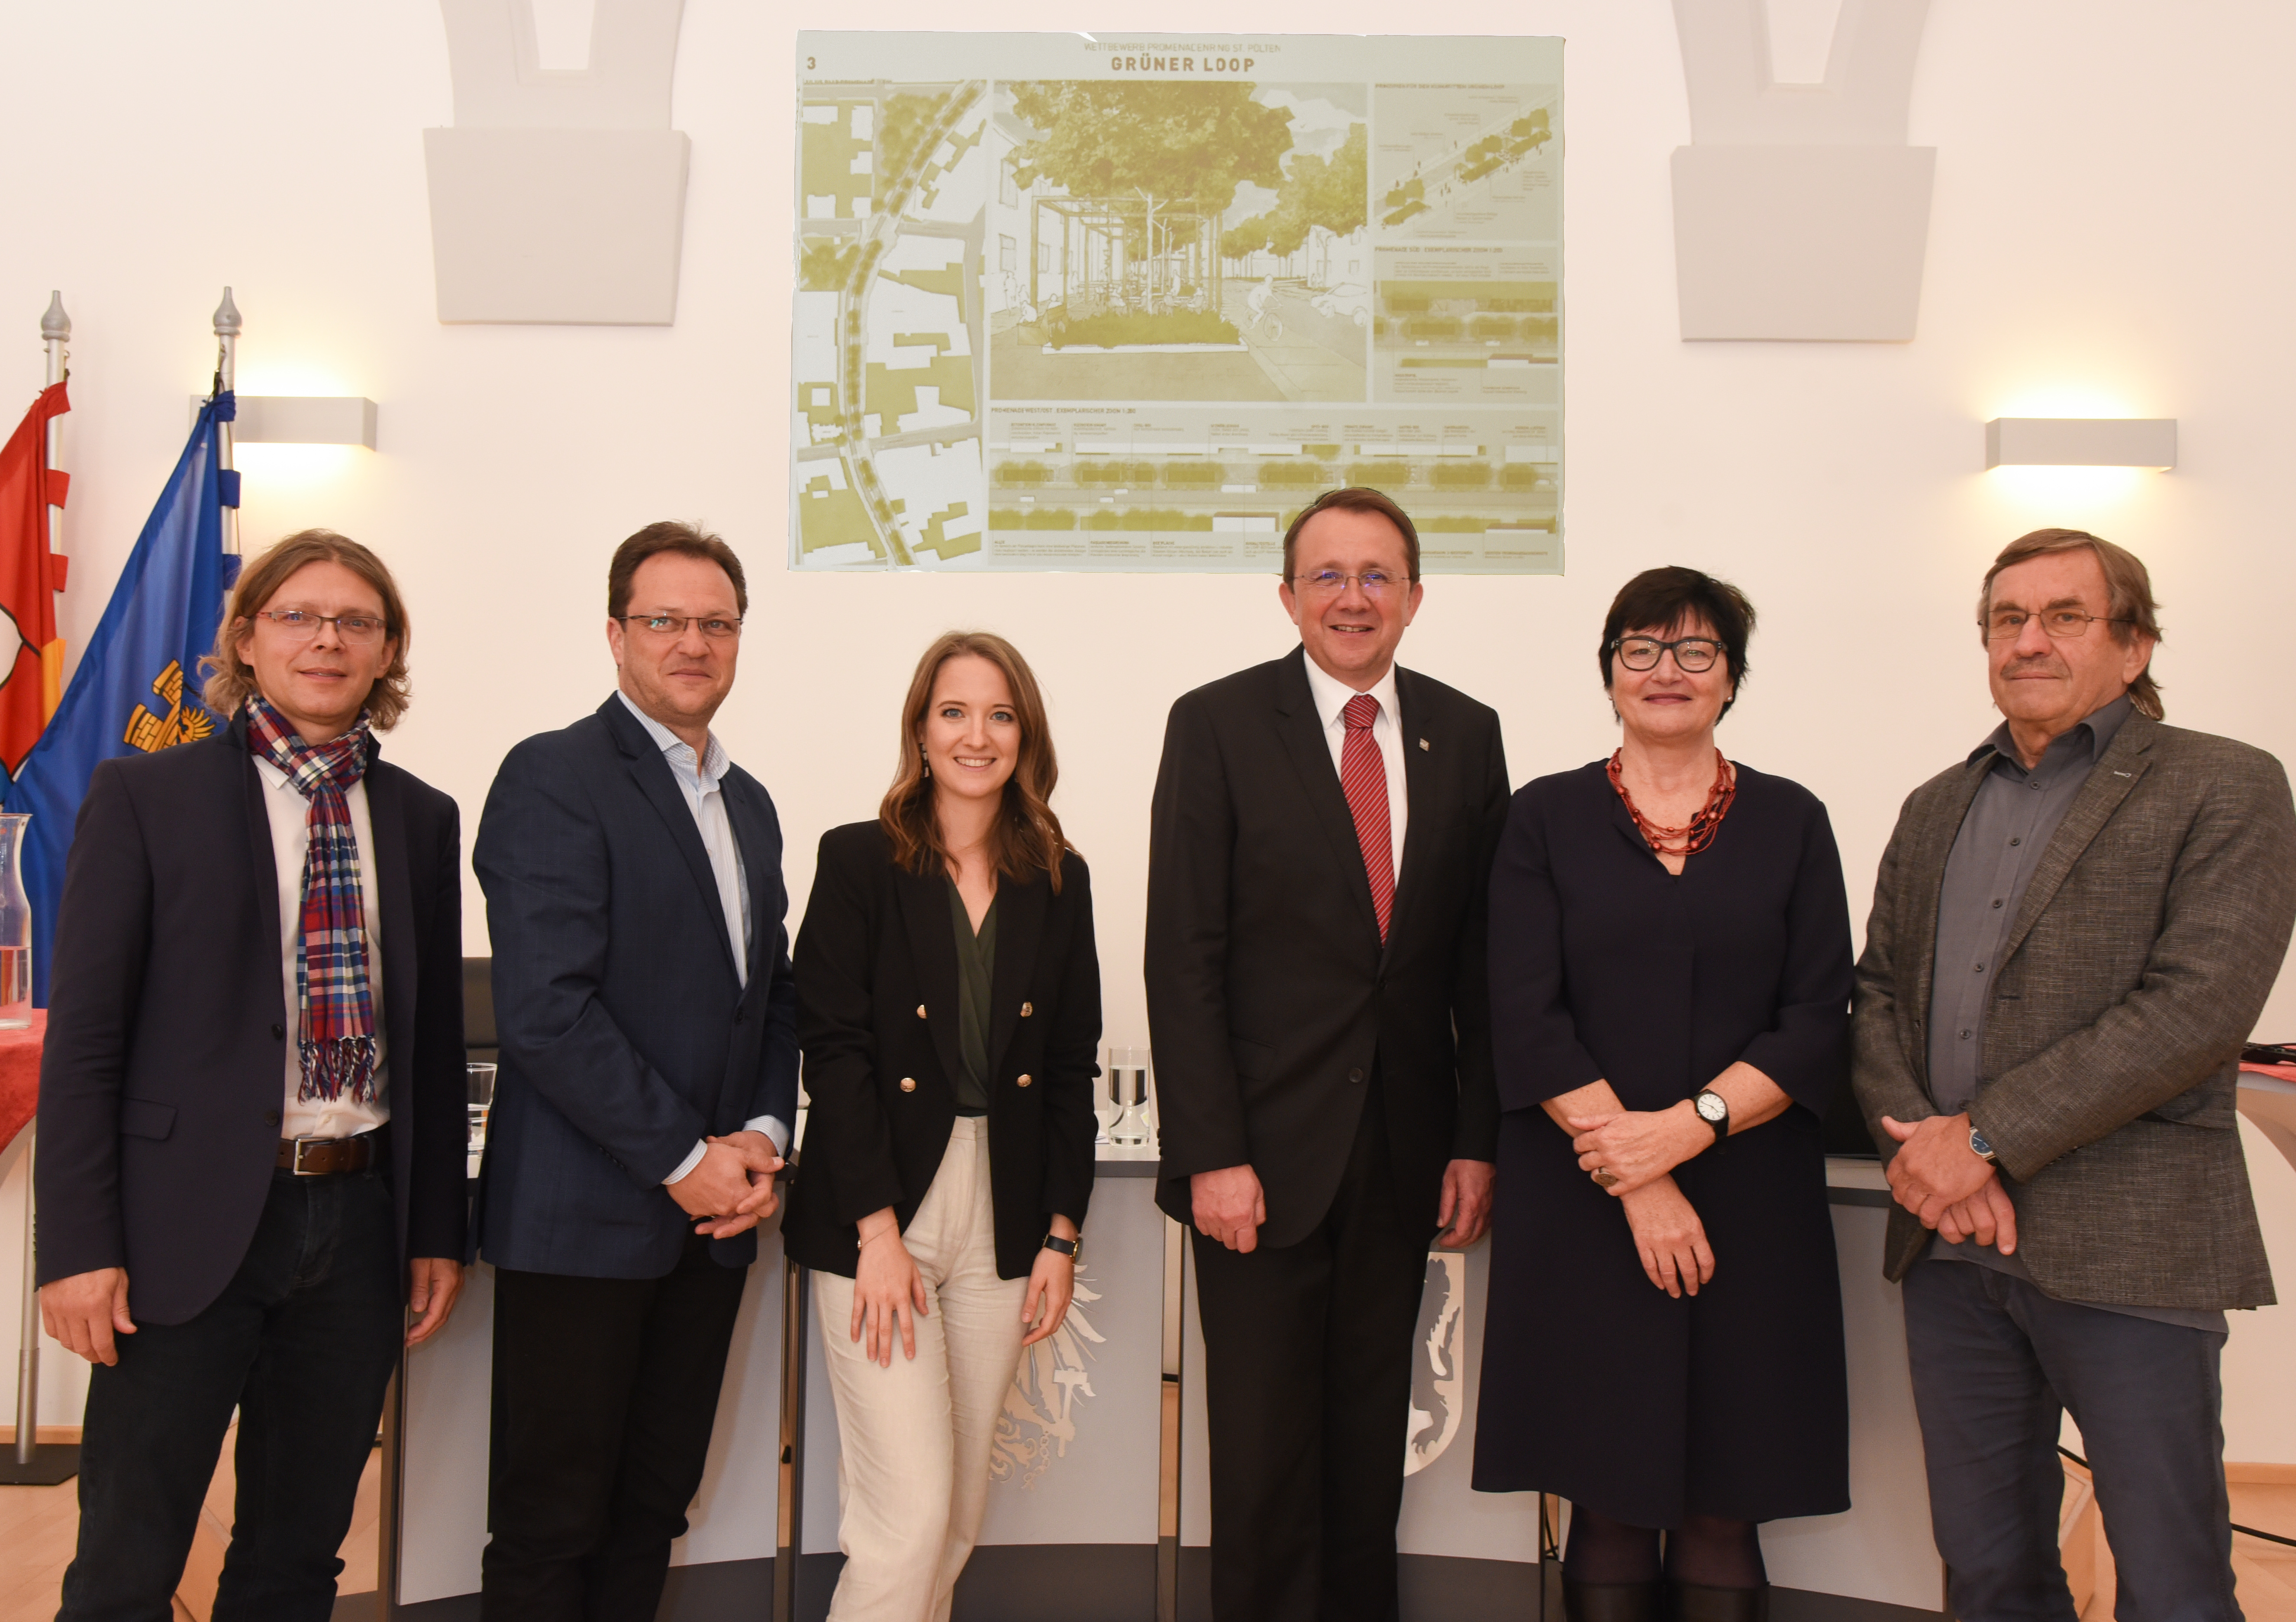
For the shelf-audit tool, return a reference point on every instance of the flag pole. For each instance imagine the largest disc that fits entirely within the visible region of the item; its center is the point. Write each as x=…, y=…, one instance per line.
x=62, y=1464
x=227, y=332
x=55, y=331
x=56, y=328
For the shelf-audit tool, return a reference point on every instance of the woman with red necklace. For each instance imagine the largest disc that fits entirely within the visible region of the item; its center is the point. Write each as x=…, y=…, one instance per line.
x=1670, y=971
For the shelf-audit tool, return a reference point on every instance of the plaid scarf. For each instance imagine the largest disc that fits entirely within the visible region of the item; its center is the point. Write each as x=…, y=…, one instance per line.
x=335, y=1023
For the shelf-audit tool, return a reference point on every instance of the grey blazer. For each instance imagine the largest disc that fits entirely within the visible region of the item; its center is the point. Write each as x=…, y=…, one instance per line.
x=2137, y=965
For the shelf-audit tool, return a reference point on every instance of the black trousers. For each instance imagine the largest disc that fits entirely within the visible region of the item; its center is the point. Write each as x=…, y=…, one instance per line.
x=605, y=1391
x=1996, y=1366
x=1308, y=1390
x=304, y=1340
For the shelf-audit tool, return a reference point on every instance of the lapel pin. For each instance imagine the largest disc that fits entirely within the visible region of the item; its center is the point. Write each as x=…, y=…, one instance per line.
x=1425, y=745
x=2120, y=773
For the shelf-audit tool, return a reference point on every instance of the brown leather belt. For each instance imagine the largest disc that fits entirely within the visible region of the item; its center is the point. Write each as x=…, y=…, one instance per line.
x=326, y=1157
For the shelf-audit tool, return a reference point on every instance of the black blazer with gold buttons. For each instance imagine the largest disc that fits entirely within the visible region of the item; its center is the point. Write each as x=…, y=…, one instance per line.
x=877, y=1017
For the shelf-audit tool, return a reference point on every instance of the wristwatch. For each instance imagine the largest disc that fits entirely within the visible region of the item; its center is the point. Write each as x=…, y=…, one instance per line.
x=1073, y=1249
x=1714, y=1109
x=1982, y=1149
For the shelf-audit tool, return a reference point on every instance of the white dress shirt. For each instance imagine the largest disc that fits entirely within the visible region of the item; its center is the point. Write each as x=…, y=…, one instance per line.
x=700, y=779
x=1331, y=695
x=289, y=815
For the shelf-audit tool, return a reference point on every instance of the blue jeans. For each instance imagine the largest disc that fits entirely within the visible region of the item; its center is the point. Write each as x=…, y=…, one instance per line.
x=304, y=1340
x=1995, y=1365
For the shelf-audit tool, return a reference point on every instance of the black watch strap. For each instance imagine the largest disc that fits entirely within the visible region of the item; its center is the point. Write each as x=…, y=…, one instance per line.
x=1714, y=1109
x=1069, y=1248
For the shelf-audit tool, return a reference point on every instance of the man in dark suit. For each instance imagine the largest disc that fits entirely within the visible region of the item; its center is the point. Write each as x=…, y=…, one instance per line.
x=647, y=1018
x=1319, y=849
x=2073, y=931
x=251, y=1125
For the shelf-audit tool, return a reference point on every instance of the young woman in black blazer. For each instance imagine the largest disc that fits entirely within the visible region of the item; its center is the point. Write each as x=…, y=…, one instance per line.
x=948, y=1002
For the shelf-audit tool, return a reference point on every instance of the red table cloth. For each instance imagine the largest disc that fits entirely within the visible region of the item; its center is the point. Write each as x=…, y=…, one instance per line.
x=19, y=1075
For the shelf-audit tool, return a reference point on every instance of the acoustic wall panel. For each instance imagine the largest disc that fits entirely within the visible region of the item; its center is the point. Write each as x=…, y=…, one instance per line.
x=1805, y=243
x=580, y=226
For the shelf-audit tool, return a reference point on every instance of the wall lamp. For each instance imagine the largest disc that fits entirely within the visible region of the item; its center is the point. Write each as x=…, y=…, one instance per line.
x=284, y=418
x=2110, y=442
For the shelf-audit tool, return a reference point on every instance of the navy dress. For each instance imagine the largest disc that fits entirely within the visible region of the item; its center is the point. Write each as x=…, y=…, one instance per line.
x=1595, y=1384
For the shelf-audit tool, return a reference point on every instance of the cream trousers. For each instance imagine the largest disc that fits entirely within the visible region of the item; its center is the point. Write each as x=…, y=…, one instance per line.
x=915, y=1439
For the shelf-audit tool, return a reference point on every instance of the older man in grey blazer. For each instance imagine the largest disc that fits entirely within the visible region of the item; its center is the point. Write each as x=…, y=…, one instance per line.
x=2072, y=933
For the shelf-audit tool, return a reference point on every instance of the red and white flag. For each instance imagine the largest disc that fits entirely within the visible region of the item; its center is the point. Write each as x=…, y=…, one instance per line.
x=31, y=655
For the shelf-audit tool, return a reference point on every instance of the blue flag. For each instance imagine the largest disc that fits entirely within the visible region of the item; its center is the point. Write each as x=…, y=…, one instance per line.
x=138, y=682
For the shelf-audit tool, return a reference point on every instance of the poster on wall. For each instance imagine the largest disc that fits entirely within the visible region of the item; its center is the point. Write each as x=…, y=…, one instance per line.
x=1069, y=302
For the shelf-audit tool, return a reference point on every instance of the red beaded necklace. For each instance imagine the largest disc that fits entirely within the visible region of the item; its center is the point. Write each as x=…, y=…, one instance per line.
x=1702, y=827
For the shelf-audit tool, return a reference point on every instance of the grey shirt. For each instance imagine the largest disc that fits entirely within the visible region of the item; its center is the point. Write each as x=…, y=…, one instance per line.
x=1993, y=858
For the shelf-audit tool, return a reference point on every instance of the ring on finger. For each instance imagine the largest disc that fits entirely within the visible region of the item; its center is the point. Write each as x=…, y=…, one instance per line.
x=1603, y=1178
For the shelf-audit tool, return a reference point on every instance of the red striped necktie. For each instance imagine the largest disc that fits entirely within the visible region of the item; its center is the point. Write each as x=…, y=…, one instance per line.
x=1363, y=776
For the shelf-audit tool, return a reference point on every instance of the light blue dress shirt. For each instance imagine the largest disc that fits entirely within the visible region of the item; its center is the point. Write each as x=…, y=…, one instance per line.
x=700, y=779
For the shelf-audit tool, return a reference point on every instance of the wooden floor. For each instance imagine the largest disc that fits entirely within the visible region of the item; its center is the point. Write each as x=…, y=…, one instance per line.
x=2267, y=1571
x=38, y=1526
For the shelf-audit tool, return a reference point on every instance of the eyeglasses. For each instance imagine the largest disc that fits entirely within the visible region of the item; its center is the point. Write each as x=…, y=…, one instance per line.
x=1692, y=654
x=2063, y=625
x=1330, y=582
x=717, y=627
x=301, y=625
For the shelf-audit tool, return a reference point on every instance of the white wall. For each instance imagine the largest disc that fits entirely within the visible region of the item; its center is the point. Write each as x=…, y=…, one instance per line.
x=2106, y=239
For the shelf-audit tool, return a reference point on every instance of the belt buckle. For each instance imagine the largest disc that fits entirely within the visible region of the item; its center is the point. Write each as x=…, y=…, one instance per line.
x=301, y=1144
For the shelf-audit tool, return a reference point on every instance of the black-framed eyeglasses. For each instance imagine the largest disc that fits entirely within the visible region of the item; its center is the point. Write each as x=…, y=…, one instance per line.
x=301, y=625
x=1692, y=654
x=1330, y=582
x=2062, y=624
x=716, y=626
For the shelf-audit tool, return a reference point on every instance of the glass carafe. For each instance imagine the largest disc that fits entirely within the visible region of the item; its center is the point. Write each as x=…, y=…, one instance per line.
x=15, y=926
x=1128, y=1091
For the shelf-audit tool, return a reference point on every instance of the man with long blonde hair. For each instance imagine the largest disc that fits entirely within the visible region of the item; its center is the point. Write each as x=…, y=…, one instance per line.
x=251, y=1122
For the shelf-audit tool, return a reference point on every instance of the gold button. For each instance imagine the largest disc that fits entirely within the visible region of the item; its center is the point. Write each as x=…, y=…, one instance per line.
x=1027, y=1008
x=1025, y=1079
x=921, y=1011
x=908, y=1084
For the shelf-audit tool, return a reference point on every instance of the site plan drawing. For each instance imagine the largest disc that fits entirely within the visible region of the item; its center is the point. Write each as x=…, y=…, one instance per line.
x=1068, y=302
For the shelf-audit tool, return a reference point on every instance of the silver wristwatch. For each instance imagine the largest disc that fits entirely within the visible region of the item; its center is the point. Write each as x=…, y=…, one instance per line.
x=1714, y=1109
x=1981, y=1149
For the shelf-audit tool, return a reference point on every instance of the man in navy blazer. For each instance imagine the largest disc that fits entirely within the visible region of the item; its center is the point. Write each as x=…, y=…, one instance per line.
x=647, y=1022
x=251, y=1125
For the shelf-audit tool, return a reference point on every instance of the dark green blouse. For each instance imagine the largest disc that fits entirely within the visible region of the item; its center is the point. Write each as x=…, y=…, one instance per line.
x=976, y=967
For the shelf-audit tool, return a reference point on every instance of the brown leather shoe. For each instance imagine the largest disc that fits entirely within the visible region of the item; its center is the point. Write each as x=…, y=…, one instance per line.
x=1610, y=1601
x=1696, y=1602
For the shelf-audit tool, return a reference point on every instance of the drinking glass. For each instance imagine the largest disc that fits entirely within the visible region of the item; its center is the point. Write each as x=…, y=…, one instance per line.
x=1128, y=1091
x=481, y=1098
x=1107, y=1108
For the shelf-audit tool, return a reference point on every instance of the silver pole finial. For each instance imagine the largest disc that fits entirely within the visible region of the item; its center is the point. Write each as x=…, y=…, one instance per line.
x=226, y=318
x=55, y=325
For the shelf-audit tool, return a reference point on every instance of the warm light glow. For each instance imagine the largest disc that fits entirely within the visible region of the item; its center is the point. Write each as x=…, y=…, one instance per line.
x=2058, y=400
x=292, y=378
x=2068, y=487
x=273, y=468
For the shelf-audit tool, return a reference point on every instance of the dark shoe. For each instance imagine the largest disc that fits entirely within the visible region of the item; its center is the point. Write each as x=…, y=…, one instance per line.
x=1610, y=1601
x=1696, y=1602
